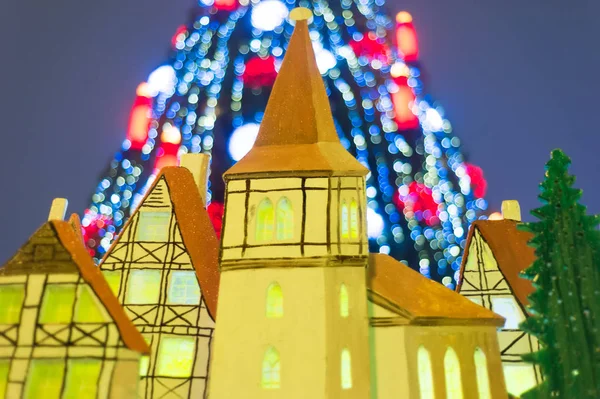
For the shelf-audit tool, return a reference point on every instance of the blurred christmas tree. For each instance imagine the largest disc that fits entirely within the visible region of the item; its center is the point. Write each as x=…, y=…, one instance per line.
x=566, y=304
x=212, y=94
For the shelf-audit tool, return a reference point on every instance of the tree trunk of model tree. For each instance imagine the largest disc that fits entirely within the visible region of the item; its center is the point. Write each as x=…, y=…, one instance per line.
x=566, y=304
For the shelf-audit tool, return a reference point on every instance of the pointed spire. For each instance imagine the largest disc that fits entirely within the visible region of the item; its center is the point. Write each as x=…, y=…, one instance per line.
x=297, y=132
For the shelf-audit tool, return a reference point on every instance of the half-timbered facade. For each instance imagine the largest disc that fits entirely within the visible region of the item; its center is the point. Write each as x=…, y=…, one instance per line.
x=163, y=268
x=495, y=254
x=63, y=334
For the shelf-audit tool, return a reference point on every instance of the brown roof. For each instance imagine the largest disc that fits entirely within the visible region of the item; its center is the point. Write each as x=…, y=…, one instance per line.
x=297, y=132
x=196, y=229
x=511, y=251
x=419, y=299
x=56, y=248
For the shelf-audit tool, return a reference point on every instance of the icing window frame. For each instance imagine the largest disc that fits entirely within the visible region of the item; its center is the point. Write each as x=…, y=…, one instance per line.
x=148, y=279
x=183, y=288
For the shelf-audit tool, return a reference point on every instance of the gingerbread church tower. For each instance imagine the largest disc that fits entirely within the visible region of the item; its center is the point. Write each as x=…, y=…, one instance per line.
x=292, y=307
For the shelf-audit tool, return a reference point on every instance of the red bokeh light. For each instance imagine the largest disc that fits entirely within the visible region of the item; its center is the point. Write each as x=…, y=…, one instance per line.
x=260, y=72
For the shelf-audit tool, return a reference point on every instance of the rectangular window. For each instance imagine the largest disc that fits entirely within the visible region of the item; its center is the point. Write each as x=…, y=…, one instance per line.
x=4, y=368
x=184, y=289
x=88, y=306
x=143, y=287
x=113, y=278
x=507, y=308
x=82, y=378
x=57, y=305
x=176, y=356
x=11, y=298
x=45, y=379
x=153, y=226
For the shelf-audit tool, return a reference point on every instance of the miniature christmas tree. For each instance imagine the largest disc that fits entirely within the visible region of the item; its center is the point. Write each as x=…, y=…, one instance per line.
x=566, y=275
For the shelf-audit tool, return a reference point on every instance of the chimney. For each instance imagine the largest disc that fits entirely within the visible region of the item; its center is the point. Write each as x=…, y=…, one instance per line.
x=511, y=210
x=58, y=209
x=198, y=165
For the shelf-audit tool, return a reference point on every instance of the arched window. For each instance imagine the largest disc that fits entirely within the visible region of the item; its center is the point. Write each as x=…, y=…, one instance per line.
x=271, y=370
x=344, y=220
x=452, y=368
x=285, y=219
x=425, y=374
x=353, y=219
x=265, y=220
x=346, y=369
x=344, y=307
x=483, y=381
x=274, y=301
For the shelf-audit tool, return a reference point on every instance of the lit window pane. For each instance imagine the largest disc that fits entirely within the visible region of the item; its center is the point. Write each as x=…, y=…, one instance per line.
x=113, y=278
x=11, y=298
x=344, y=306
x=346, y=370
x=265, y=220
x=176, y=356
x=274, y=301
x=88, y=309
x=285, y=219
x=507, y=308
x=143, y=287
x=271, y=370
x=45, y=379
x=4, y=368
x=519, y=378
x=483, y=381
x=353, y=219
x=344, y=220
x=57, y=305
x=82, y=378
x=452, y=368
x=184, y=289
x=425, y=374
x=153, y=226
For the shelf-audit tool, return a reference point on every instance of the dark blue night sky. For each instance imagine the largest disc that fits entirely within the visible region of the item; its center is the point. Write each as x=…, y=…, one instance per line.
x=517, y=78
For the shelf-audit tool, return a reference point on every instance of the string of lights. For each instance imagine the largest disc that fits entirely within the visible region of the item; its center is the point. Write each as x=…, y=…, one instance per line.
x=210, y=97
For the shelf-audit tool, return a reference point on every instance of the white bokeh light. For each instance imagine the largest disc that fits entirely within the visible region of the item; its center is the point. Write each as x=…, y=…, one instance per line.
x=374, y=223
x=162, y=80
x=242, y=139
x=434, y=120
x=269, y=14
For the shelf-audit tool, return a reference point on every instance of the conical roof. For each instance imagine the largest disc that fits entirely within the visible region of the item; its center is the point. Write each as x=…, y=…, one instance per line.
x=297, y=132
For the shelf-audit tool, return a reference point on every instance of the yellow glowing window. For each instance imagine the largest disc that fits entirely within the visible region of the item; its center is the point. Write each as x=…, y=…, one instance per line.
x=57, y=305
x=274, y=301
x=344, y=306
x=45, y=379
x=153, y=226
x=265, y=220
x=176, y=356
x=143, y=287
x=452, y=371
x=184, y=288
x=82, y=378
x=11, y=298
x=4, y=368
x=519, y=378
x=344, y=220
x=113, y=278
x=425, y=375
x=353, y=219
x=507, y=308
x=483, y=381
x=271, y=370
x=285, y=219
x=88, y=309
x=346, y=369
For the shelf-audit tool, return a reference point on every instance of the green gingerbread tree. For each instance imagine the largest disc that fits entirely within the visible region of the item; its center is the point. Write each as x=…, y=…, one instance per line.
x=565, y=308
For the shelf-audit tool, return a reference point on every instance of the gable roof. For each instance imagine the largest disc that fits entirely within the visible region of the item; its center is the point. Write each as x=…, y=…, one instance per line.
x=297, y=132
x=196, y=229
x=55, y=248
x=510, y=249
x=422, y=301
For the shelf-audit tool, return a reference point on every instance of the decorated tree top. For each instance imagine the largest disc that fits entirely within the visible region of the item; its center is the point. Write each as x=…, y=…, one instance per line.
x=566, y=304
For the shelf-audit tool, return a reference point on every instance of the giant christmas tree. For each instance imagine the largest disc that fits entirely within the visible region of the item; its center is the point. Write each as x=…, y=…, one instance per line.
x=211, y=96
